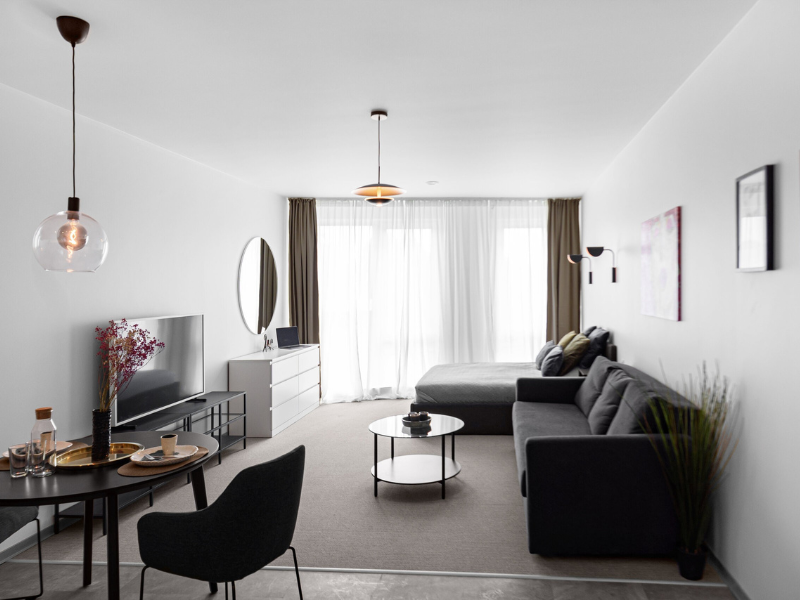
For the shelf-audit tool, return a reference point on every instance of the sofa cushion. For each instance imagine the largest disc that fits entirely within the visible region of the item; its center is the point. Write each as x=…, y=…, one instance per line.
x=544, y=352
x=598, y=339
x=551, y=365
x=635, y=408
x=564, y=341
x=605, y=408
x=589, y=330
x=537, y=419
x=574, y=351
x=593, y=384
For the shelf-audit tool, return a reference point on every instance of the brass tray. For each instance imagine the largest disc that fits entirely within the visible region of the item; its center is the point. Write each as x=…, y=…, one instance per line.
x=81, y=458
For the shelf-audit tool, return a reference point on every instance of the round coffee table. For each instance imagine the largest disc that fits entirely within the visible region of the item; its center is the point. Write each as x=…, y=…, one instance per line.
x=416, y=469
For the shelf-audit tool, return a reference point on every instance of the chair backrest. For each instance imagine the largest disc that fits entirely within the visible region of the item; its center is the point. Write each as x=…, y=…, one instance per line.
x=258, y=510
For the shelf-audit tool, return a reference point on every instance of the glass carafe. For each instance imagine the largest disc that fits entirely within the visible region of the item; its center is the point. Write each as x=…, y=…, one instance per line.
x=43, y=444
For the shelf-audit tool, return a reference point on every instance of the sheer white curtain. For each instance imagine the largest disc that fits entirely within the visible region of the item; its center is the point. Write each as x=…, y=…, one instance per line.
x=416, y=283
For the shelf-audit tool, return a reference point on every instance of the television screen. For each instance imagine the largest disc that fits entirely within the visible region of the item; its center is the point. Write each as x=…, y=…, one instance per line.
x=174, y=375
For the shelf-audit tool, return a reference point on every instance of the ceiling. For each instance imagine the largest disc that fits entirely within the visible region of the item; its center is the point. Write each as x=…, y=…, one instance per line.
x=495, y=98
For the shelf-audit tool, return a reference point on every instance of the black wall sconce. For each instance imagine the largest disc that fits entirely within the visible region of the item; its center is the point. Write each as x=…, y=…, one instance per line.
x=596, y=251
x=576, y=259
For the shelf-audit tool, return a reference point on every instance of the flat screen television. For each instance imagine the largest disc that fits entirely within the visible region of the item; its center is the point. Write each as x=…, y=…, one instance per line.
x=173, y=376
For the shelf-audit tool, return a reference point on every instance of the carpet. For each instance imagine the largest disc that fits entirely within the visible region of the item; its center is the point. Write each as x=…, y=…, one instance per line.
x=479, y=528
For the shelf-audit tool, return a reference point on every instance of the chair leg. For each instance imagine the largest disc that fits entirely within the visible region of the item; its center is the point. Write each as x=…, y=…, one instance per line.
x=226, y=590
x=141, y=586
x=233, y=588
x=41, y=576
x=297, y=572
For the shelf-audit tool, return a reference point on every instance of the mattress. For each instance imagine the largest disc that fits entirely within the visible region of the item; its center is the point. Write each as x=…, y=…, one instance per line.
x=475, y=383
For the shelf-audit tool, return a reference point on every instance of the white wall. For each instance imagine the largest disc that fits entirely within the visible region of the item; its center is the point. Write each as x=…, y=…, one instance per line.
x=176, y=230
x=738, y=111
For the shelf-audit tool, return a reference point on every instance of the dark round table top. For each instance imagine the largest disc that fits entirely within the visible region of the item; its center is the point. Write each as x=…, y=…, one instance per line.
x=69, y=486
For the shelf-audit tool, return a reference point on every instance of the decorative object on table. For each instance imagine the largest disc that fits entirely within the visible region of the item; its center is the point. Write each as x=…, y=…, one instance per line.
x=124, y=349
x=159, y=457
x=415, y=419
x=168, y=442
x=83, y=458
x=18, y=460
x=755, y=220
x=141, y=469
x=596, y=251
x=379, y=193
x=258, y=286
x=60, y=446
x=694, y=465
x=661, y=265
x=576, y=259
x=71, y=241
x=43, y=443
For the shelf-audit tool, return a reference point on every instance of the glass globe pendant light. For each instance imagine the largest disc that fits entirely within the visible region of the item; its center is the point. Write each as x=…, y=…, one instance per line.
x=71, y=241
x=379, y=193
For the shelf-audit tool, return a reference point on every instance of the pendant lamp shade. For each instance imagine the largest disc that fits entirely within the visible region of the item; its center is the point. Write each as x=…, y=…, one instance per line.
x=379, y=193
x=71, y=241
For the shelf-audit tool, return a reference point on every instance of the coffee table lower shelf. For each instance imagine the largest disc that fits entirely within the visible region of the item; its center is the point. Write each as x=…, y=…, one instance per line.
x=416, y=469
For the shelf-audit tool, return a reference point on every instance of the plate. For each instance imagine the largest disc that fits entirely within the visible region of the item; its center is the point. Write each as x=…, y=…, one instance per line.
x=60, y=447
x=182, y=453
x=81, y=458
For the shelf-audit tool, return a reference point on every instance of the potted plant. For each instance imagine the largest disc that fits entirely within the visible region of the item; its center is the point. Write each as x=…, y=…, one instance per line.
x=124, y=349
x=694, y=450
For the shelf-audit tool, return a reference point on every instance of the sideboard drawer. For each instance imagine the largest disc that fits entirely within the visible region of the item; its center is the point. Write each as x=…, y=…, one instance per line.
x=308, y=360
x=284, y=391
x=308, y=379
x=284, y=412
x=284, y=369
x=309, y=398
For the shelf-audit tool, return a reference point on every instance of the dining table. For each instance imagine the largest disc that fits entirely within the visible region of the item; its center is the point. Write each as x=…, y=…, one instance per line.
x=87, y=484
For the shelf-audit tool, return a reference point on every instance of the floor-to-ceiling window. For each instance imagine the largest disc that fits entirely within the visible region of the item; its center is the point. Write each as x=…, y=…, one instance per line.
x=421, y=282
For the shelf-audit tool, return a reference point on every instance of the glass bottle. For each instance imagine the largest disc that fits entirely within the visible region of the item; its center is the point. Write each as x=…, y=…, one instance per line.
x=43, y=444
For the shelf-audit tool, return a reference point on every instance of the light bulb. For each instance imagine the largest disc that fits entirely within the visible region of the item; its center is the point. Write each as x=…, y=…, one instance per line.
x=72, y=236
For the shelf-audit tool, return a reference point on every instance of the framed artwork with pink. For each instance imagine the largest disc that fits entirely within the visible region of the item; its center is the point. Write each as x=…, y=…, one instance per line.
x=661, y=265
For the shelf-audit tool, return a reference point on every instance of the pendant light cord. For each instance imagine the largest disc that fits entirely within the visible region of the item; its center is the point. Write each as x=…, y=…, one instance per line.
x=379, y=151
x=73, y=120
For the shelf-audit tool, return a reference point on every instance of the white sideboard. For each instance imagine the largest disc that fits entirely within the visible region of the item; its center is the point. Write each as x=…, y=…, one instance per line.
x=282, y=387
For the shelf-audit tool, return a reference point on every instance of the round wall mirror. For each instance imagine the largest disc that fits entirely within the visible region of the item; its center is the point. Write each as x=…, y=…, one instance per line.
x=258, y=285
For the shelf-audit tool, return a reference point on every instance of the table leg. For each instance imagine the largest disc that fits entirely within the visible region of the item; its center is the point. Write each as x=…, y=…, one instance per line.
x=201, y=502
x=376, y=465
x=112, y=510
x=443, y=440
x=88, y=521
x=453, y=446
x=392, y=448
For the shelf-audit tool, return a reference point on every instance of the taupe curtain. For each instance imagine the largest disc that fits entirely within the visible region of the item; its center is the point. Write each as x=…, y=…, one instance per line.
x=563, y=278
x=303, y=282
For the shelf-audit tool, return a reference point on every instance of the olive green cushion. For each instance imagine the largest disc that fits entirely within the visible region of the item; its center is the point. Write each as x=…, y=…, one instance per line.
x=564, y=342
x=574, y=352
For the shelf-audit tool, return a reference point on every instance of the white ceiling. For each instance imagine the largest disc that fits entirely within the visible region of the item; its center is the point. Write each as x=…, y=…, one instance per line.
x=499, y=98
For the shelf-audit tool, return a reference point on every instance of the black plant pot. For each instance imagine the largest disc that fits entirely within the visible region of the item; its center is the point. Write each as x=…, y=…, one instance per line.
x=101, y=434
x=692, y=564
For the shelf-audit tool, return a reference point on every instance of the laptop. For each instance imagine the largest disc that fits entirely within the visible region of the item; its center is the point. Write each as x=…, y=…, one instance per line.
x=288, y=338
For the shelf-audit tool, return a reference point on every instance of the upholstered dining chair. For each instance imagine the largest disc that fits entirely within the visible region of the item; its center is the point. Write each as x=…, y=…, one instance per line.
x=250, y=525
x=14, y=518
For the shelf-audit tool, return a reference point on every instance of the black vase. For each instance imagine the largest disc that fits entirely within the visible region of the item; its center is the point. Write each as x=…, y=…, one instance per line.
x=101, y=434
x=692, y=564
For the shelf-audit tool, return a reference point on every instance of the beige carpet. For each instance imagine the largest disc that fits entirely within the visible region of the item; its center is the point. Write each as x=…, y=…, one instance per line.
x=479, y=528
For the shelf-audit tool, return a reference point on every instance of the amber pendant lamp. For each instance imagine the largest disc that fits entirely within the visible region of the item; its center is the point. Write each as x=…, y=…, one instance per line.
x=71, y=241
x=379, y=193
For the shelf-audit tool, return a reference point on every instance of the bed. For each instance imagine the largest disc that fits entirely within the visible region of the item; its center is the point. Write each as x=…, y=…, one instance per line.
x=480, y=394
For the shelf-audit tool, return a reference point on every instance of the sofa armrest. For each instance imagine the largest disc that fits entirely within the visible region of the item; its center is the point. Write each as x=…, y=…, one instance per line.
x=556, y=390
x=597, y=494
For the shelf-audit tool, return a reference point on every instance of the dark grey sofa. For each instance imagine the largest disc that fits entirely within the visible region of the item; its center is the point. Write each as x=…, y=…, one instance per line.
x=591, y=481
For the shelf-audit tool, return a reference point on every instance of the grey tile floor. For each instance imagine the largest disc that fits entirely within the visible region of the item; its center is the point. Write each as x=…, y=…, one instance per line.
x=63, y=582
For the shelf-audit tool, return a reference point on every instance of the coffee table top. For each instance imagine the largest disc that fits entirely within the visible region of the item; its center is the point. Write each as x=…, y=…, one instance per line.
x=393, y=427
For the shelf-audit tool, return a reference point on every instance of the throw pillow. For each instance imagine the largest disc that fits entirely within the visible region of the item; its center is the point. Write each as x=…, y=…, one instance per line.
x=574, y=351
x=551, y=366
x=564, y=342
x=544, y=352
x=589, y=330
x=599, y=339
x=591, y=387
x=605, y=409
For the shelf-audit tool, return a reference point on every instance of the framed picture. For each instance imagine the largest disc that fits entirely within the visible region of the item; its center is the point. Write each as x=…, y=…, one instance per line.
x=754, y=220
x=661, y=266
